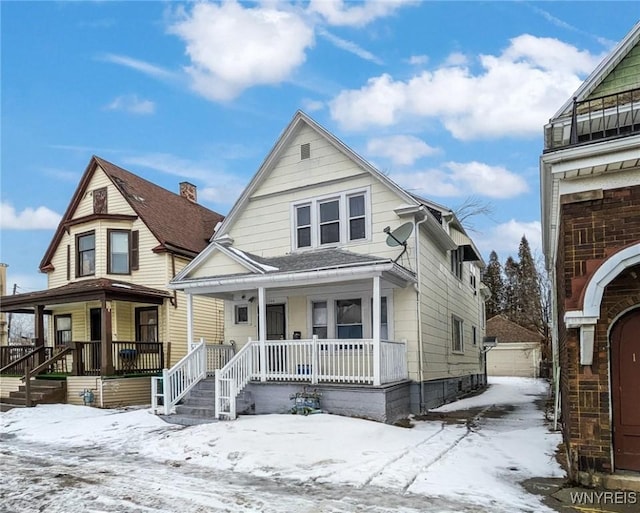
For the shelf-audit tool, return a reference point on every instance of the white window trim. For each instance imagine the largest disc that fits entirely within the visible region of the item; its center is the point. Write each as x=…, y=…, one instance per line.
x=343, y=208
x=367, y=314
x=461, y=321
x=235, y=314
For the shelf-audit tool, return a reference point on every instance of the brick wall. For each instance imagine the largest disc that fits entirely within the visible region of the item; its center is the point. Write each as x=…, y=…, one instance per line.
x=589, y=232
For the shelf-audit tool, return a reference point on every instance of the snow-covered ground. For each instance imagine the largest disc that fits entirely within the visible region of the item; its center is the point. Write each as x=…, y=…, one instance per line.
x=62, y=458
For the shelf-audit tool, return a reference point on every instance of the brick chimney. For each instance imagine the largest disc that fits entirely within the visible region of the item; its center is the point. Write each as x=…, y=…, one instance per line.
x=189, y=191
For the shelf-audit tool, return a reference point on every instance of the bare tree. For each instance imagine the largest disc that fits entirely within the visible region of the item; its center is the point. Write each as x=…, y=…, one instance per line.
x=472, y=207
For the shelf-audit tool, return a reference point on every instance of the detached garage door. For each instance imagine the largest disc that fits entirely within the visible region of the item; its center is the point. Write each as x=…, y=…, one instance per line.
x=514, y=359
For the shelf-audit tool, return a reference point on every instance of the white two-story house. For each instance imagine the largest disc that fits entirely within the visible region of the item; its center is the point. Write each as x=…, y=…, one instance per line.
x=333, y=275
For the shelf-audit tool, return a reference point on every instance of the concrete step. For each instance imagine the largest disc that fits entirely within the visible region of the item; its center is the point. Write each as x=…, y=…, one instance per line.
x=187, y=420
x=6, y=406
x=198, y=401
x=196, y=411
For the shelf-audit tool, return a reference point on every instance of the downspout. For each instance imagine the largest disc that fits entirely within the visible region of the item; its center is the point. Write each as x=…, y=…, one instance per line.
x=418, y=288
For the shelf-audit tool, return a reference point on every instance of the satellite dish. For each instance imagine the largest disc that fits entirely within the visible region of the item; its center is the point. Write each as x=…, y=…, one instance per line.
x=399, y=236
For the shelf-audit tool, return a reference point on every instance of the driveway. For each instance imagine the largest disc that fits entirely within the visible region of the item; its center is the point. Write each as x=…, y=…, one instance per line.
x=470, y=456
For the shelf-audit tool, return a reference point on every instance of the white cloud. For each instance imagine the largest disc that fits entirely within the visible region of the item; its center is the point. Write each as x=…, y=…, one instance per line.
x=138, y=65
x=232, y=48
x=339, y=12
x=349, y=46
x=505, y=238
x=401, y=150
x=312, y=105
x=456, y=59
x=514, y=94
x=418, y=60
x=131, y=103
x=464, y=179
x=40, y=218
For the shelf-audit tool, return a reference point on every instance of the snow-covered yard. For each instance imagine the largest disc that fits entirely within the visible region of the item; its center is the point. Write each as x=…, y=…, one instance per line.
x=61, y=458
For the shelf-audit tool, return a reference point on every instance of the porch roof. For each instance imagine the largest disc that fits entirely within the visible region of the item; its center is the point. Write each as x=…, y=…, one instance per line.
x=84, y=290
x=309, y=267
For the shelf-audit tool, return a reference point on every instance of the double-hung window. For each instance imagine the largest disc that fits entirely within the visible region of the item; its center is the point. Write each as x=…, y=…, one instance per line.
x=303, y=226
x=349, y=318
x=331, y=220
x=457, y=262
x=457, y=342
x=86, y=254
x=357, y=217
x=319, y=318
x=119, y=250
x=63, y=329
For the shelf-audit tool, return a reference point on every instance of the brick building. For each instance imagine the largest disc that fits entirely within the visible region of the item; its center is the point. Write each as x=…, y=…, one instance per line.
x=590, y=184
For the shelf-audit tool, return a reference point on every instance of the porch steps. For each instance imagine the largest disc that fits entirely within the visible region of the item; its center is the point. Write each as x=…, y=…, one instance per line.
x=198, y=407
x=42, y=392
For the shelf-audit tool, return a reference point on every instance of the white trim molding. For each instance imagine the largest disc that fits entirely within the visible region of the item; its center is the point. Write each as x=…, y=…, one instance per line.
x=587, y=318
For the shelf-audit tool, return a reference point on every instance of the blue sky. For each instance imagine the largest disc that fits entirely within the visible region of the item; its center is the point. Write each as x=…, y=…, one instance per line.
x=448, y=98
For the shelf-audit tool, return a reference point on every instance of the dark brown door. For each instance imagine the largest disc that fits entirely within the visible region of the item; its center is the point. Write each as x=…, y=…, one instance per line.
x=95, y=329
x=276, y=330
x=625, y=384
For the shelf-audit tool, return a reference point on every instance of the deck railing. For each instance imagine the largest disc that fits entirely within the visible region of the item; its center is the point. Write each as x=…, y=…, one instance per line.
x=30, y=356
x=311, y=360
x=596, y=119
x=177, y=381
x=232, y=378
x=129, y=357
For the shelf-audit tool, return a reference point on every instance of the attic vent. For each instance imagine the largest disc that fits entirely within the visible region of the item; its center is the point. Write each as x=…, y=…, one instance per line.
x=305, y=151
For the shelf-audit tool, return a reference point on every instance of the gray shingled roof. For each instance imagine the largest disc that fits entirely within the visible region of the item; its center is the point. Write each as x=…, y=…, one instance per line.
x=314, y=260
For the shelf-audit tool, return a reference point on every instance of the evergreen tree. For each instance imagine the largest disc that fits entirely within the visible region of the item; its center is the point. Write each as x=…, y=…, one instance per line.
x=511, y=303
x=492, y=278
x=527, y=293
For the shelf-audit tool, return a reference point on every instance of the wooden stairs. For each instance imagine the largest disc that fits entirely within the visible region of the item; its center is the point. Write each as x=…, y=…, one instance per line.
x=43, y=391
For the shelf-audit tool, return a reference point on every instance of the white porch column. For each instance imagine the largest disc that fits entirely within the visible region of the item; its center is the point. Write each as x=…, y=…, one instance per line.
x=189, y=321
x=376, y=330
x=262, y=328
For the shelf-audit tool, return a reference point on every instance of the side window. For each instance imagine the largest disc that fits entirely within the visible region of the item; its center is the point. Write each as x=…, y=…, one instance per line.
x=357, y=217
x=457, y=262
x=119, y=250
x=303, y=226
x=62, y=329
x=86, y=254
x=457, y=342
x=329, y=222
x=241, y=314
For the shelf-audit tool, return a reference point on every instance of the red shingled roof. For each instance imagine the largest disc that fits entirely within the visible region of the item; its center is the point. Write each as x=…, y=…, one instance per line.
x=180, y=225
x=508, y=331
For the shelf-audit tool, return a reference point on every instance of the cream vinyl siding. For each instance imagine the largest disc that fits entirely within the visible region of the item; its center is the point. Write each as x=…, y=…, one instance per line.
x=208, y=316
x=219, y=264
x=76, y=385
x=151, y=269
x=265, y=227
x=325, y=164
x=109, y=393
x=116, y=204
x=444, y=295
x=9, y=384
x=120, y=392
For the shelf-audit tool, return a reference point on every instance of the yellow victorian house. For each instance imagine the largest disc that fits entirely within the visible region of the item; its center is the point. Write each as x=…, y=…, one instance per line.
x=110, y=313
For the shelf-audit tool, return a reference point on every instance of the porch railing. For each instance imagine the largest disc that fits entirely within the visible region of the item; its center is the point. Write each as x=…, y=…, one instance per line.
x=596, y=119
x=311, y=360
x=26, y=356
x=177, y=381
x=129, y=357
x=232, y=378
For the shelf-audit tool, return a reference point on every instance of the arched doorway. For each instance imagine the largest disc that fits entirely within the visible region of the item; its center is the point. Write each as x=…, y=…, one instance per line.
x=625, y=390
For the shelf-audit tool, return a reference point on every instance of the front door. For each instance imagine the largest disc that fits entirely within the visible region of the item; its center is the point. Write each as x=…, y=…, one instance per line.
x=625, y=384
x=276, y=330
x=95, y=332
